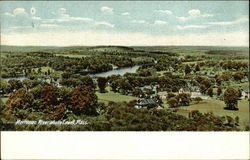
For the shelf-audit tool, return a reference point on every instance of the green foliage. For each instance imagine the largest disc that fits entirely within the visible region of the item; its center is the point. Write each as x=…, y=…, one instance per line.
x=231, y=97
x=102, y=81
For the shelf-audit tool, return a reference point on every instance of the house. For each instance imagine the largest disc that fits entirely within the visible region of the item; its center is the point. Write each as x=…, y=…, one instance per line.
x=146, y=102
x=184, y=90
x=245, y=93
x=149, y=89
x=162, y=95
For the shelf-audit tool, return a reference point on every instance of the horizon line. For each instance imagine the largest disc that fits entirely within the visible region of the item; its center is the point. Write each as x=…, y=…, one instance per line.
x=122, y=46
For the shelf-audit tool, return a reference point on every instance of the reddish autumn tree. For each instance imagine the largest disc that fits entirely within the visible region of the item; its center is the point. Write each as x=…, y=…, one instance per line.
x=19, y=100
x=49, y=95
x=198, y=99
x=173, y=102
x=57, y=112
x=83, y=101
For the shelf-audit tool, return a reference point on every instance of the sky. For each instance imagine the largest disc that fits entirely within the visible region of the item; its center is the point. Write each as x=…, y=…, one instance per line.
x=130, y=23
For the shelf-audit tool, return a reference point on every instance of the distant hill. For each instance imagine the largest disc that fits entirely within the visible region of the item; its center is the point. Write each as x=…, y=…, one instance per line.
x=71, y=49
x=4, y=48
x=110, y=48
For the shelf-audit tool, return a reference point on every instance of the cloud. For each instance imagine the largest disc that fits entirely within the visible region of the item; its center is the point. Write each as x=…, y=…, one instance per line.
x=138, y=21
x=8, y=14
x=63, y=16
x=168, y=12
x=17, y=12
x=194, y=13
x=160, y=22
x=105, y=24
x=107, y=10
x=237, y=21
x=191, y=27
x=92, y=38
x=125, y=14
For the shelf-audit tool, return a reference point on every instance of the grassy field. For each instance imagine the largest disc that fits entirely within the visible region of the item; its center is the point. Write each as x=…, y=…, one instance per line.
x=217, y=107
x=4, y=99
x=115, y=97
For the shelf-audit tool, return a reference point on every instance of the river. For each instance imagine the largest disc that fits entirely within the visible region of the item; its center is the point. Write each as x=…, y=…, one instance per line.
x=118, y=71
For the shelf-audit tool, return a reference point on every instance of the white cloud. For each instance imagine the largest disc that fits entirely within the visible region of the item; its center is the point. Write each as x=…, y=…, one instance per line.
x=90, y=38
x=17, y=12
x=168, y=12
x=191, y=27
x=107, y=10
x=62, y=16
x=138, y=21
x=160, y=22
x=125, y=14
x=105, y=24
x=194, y=13
x=8, y=14
x=237, y=21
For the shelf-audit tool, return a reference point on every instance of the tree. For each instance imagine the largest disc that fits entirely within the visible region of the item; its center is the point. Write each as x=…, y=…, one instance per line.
x=27, y=84
x=173, y=102
x=19, y=100
x=101, y=82
x=49, y=95
x=83, y=101
x=203, y=89
x=170, y=95
x=187, y=69
x=15, y=84
x=198, y=99
x=4, y=86
x=65, y=95
x=225, y=77
x=197, y=68
x=231, y=96
x=219, y=91
x=183, y=99
x=206, y=83
x=57, y=112
x=210, y=92
x=240, y=93
x=238, y=76
x=138, y=93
